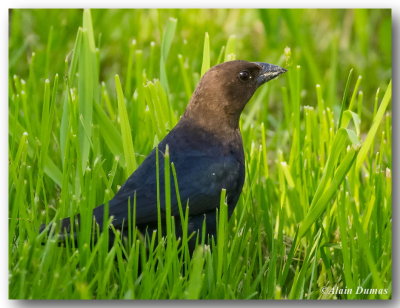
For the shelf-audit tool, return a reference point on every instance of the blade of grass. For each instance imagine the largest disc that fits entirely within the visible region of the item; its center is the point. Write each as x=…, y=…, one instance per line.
x=315, y=212
x=195, y=277
x=185, y=77
x=344, y=99
x=355, y=92
x=206, y=55
x=342, y=217
x=109, y=133
x=375, y=124
x=86, y=95
x=127, y=143
x=166, y=43
x=221, y=234
x=230, y=51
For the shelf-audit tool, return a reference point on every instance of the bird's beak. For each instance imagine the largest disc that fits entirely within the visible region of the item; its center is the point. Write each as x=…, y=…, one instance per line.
x=268, y=72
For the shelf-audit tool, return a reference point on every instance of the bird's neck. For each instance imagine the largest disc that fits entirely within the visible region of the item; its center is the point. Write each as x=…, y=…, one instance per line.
x=213, y=116
x=210, y=130
x=210, y=121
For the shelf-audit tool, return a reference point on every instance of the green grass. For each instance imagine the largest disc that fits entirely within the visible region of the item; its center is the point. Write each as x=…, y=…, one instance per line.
x=92, y=92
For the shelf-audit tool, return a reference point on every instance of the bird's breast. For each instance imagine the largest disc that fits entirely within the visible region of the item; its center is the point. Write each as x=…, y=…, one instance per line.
x=210, y=161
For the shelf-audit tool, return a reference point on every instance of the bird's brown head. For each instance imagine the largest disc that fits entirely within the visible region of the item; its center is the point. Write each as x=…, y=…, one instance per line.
x=224, y=91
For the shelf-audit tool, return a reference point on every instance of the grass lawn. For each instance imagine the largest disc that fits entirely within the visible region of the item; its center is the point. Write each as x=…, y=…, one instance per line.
x=92, y=92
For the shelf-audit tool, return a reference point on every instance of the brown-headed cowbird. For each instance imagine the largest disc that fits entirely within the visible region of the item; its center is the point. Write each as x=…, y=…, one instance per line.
x=206, y=149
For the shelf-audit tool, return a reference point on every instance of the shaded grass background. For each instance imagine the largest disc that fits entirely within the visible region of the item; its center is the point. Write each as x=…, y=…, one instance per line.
x=317, y=143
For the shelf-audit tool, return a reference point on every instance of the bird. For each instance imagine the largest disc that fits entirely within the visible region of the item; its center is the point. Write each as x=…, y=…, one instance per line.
x=206, y=149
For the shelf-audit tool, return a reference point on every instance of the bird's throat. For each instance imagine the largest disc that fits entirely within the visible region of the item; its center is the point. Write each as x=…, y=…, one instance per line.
x=212, y=117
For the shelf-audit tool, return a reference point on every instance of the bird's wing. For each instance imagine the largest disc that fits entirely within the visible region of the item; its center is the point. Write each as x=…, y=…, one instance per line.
x=200, y=180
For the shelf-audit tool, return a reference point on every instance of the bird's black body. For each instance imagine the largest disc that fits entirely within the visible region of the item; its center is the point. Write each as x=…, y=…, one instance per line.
x=204, y=166
x=206, y=149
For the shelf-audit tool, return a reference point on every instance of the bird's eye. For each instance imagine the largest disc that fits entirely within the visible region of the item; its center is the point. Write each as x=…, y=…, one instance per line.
x=244, y=76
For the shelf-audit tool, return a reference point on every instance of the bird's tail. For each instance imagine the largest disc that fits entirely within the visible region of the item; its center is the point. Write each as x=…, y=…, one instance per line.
x=68, y=228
